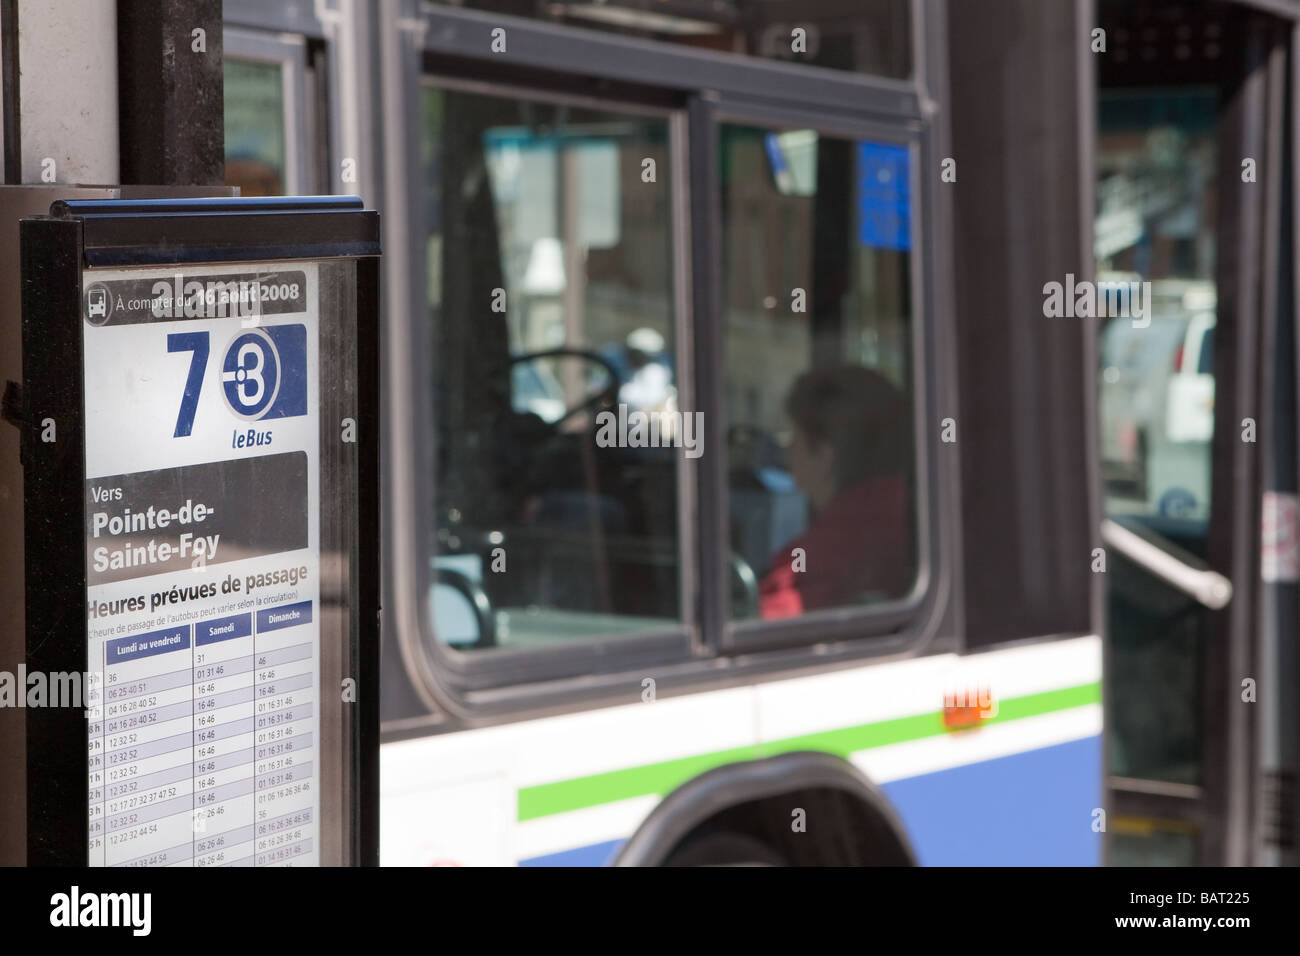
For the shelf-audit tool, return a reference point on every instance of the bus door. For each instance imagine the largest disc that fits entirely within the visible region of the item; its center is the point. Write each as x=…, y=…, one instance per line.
x=1188, y=180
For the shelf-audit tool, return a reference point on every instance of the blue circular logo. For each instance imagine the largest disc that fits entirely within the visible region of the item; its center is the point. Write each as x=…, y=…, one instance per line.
x=250, y=374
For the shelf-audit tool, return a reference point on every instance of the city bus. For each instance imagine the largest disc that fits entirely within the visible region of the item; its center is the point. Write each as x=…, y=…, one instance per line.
x=1037, y=615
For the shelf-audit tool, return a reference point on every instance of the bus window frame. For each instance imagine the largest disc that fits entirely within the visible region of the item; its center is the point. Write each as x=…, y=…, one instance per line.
x=289, y=52
x=911, y=10
x=512, y=685
x=471, y=671
x=873, y=622
x=458, y=33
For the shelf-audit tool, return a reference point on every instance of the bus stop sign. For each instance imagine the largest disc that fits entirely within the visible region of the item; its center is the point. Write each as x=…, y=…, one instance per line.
x=200, y=391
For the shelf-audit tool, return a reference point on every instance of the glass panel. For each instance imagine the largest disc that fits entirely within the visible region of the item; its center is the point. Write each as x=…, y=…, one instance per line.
x=1155, y=727
x=550, y=289
x=1156, y=227
x=1155, y=238
x=255, y=121
x=817, y=339
x=863, y=36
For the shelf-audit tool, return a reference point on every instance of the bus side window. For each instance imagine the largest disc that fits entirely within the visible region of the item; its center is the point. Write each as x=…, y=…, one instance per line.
x=816, y=350
x=558, y=428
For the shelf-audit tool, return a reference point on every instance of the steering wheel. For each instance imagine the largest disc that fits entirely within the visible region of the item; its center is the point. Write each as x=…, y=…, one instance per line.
x=605, y=397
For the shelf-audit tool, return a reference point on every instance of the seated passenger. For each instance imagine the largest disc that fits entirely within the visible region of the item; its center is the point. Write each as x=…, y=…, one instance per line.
x=849, y=456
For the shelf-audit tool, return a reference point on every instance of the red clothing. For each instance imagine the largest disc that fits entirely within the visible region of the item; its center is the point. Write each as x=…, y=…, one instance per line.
x=858, y=544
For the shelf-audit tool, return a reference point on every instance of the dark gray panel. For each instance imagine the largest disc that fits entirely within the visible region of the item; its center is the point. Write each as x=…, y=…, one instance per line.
x=1029, y=515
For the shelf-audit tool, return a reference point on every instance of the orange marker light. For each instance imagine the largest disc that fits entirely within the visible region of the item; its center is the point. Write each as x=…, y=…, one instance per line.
x=967, y=708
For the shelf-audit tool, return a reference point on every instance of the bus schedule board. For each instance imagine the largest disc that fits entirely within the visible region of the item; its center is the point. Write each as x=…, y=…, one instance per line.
x=204, y=427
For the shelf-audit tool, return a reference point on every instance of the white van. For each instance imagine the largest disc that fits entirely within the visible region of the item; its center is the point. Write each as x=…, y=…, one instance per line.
x=1190, y=405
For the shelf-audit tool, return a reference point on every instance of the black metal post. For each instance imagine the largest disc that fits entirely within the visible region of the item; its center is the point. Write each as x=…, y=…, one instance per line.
x=170, y=92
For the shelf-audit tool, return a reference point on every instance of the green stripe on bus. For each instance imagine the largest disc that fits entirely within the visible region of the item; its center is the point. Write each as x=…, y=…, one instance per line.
x=579, y=793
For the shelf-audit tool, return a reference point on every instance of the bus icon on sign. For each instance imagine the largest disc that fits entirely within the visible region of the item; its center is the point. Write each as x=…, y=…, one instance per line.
x=98, y=305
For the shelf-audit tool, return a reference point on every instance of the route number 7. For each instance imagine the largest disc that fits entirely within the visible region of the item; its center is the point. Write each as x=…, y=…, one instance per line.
x=196, y=342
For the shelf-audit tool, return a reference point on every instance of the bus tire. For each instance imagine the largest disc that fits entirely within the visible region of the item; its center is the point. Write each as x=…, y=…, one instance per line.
x=724, y=848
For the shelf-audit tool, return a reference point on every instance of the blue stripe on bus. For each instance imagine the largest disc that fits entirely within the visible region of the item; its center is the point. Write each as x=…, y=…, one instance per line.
x=1028, y=809
x=597, y=854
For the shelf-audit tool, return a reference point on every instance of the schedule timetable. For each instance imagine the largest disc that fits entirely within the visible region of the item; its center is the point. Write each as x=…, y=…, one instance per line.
x=203, y=743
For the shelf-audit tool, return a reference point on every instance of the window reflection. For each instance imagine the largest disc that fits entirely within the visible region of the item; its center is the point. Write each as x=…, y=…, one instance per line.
x=254, y=127
x=1156, y=223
